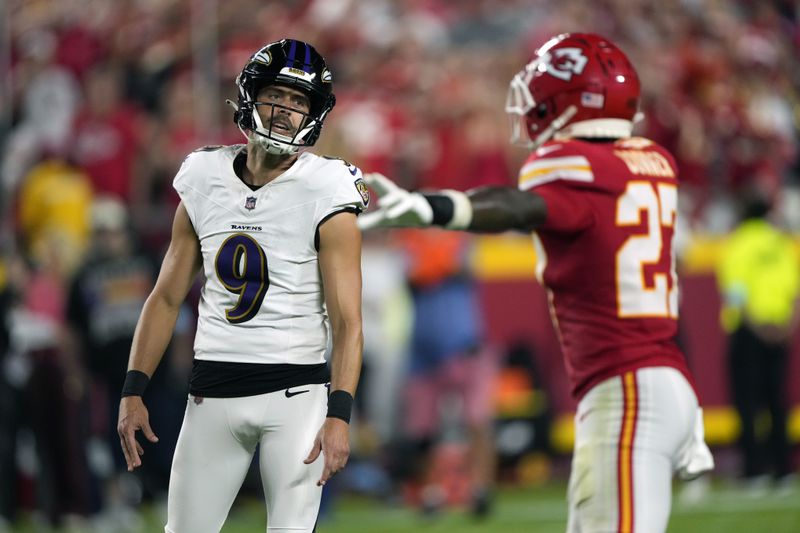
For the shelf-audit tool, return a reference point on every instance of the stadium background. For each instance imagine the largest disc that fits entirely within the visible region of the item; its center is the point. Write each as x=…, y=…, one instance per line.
x=420, y=87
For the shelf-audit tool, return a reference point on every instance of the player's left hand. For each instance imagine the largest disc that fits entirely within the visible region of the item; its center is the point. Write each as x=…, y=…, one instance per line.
x=334, y=440
x=397, y=208
x=133, y=416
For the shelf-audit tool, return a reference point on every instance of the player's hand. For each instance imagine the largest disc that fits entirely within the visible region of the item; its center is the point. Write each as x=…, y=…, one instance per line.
x=133, y=416
x=334, y=440
x=397, y=208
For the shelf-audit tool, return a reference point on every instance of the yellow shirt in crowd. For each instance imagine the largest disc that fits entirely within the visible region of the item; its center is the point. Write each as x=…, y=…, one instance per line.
x=54, y=205
x=759, y=275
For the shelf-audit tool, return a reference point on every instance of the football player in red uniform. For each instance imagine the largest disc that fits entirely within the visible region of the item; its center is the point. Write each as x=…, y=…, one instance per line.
x=601, y=205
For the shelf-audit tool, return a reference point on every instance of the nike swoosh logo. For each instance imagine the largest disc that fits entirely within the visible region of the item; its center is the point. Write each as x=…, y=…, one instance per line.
x=544, y=150
x=353, y=170
x=289, y=393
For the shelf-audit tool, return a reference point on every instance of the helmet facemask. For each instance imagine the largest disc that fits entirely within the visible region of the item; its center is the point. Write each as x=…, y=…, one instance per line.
x=519, y=106
x=519, y=102
x=275, y=142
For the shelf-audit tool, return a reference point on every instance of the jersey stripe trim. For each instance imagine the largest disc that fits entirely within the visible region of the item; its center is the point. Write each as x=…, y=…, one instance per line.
x=545, y=162
x=625, y=453
x=576, y=168
x=349, y=209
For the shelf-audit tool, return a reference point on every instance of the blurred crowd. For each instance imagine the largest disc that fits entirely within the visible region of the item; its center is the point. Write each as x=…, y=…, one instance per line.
x=102, y=100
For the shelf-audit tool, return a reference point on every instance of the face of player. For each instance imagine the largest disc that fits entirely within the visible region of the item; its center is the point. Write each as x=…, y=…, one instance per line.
x=282, y=109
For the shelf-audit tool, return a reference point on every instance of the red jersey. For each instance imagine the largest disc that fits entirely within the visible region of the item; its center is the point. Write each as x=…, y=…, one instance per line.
x=605, y=254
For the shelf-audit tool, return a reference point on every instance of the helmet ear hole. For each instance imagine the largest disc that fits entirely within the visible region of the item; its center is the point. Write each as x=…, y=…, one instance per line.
x=541, y=110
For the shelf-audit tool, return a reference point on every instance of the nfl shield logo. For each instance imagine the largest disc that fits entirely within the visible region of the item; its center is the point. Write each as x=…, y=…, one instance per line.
x=250, y=203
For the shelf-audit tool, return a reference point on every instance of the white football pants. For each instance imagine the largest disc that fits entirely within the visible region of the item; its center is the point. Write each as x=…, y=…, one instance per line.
x=632, y=432
x=215, y=449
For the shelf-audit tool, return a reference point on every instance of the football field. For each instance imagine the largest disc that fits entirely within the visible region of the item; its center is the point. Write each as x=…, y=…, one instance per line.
x=536, y=510
x=543, y=510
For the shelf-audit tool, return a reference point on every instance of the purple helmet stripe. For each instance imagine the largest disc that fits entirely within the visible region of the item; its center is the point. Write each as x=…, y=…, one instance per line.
x=307, y=64
x=292, y=50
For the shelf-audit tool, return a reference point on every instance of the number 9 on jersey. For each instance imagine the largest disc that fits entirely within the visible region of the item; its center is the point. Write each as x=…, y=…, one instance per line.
x=241, y=267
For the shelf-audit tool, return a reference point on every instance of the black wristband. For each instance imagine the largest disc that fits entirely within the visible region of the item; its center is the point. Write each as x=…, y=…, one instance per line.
x=443, y=208
x=135, y=383
x=340, y=403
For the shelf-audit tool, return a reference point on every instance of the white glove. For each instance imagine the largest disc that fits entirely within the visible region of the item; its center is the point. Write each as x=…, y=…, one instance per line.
x=697, y=458
x=397, y=208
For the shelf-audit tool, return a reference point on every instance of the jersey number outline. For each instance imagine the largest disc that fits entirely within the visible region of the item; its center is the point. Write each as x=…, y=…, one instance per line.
x=241, y=267
x=657, y=204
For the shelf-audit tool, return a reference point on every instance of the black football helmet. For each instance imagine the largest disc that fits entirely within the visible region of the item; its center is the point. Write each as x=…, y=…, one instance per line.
x=295, y=64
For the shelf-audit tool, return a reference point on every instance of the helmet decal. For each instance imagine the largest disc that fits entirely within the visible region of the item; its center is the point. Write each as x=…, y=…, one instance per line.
x=263, y=56
x=291, y=56
x=564, y=62
x=594, y=100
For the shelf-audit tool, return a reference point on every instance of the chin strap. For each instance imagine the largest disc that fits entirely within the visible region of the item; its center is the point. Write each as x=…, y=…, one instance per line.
x=554, y=126
x=236, y=108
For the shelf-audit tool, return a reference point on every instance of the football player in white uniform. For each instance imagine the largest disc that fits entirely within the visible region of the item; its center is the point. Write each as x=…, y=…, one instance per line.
x=274, y=230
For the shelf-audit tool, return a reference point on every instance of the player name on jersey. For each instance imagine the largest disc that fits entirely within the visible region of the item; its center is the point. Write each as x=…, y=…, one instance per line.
x=646, y=163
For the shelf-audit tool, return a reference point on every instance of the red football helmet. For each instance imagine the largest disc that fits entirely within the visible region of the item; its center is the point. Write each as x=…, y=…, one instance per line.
x=577, y=85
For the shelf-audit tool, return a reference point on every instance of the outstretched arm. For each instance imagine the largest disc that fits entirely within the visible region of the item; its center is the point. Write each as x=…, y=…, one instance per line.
x=480, y=210
x=496, y=209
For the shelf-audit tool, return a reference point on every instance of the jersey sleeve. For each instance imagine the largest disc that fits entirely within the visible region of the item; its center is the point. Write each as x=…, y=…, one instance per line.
x=188, y=193
x=350, y=193
x=562, y=182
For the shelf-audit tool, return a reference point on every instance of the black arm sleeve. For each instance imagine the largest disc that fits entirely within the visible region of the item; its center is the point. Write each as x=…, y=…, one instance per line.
x=498, y=209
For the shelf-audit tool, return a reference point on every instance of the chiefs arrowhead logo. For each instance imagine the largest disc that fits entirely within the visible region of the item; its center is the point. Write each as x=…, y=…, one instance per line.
x=564, y=62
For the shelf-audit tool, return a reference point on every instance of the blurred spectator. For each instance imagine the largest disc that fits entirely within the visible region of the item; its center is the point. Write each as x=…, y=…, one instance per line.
x=47, y=96
x=377, y=421
x=106, y=134
x=720, y=74
x=523, y=418
x=449, y=360
x=54, y=388
x=169, y=138
x=10, y=405
x=53, y=209
x=759, y=278
x=105, y=300
x=386, y=305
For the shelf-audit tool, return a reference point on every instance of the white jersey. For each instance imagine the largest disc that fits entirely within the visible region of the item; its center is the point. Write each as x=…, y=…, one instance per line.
x=262, y=300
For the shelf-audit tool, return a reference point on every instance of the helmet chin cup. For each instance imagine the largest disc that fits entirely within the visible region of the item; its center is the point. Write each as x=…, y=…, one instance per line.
x=270, y=141
x=271, y=145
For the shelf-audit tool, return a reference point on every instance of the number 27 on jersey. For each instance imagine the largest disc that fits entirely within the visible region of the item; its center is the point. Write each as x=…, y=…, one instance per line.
x=656, y=205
